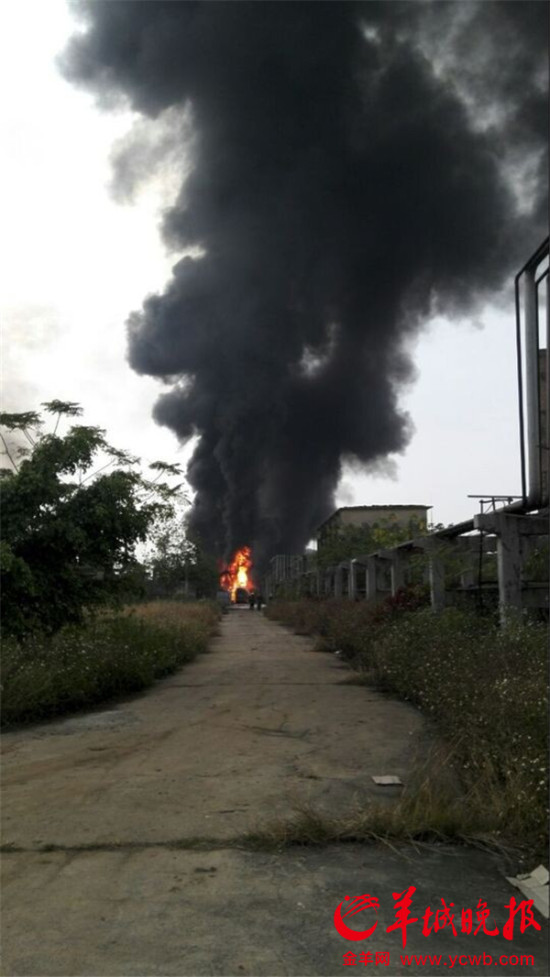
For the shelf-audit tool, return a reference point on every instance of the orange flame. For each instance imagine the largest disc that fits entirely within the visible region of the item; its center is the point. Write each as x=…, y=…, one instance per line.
x=238, y=573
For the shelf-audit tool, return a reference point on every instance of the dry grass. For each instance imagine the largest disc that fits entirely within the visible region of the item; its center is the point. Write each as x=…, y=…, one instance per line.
x=175, y=613
x=431, y=809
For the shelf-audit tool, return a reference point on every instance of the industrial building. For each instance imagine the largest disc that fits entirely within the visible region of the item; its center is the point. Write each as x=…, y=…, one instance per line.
x=411, y=517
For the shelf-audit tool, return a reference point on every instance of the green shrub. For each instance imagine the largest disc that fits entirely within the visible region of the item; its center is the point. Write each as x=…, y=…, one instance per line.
x=112, y=655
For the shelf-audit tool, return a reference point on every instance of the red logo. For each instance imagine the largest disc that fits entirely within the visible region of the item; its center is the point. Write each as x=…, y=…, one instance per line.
x=434, y=919
x=356, y=906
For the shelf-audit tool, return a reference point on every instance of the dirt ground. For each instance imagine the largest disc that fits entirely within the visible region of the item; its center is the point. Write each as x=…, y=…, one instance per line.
x=101, y=812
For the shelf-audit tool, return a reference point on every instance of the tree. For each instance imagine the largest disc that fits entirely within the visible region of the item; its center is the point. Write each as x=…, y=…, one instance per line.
x=69, y=528
x=178, y=563
x=346, y=542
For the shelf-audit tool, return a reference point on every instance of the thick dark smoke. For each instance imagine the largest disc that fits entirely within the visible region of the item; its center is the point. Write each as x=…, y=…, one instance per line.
x=352, y=172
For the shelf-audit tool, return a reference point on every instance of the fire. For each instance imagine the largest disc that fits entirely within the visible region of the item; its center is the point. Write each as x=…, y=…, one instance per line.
x=238, y=573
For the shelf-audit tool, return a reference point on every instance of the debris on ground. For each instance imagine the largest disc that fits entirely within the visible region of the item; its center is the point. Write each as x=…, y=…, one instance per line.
x=387, y=780
x=534, y=885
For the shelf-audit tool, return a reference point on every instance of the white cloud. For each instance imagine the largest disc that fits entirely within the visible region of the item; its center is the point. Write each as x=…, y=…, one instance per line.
x=74, y=262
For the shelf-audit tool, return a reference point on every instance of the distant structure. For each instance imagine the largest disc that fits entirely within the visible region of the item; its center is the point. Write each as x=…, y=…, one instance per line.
x=288, y=569
x=413, y=517
x=284, y=567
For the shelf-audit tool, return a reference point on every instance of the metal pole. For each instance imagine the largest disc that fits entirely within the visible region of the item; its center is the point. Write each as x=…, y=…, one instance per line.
x=532, y=377
x=520, y=394
x=546, y=444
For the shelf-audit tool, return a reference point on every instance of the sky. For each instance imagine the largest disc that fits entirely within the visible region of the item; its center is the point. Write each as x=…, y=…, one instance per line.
x=76, y=262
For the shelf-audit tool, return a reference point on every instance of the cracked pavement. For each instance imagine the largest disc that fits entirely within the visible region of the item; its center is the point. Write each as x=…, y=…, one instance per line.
x=120, y=824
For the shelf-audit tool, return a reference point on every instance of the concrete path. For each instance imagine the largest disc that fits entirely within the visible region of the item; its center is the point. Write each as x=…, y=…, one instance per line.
x=100, y=813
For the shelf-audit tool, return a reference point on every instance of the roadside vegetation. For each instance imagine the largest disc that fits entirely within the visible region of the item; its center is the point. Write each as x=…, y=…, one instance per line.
x=111, y=655
x=486, y=690
x=75, y=512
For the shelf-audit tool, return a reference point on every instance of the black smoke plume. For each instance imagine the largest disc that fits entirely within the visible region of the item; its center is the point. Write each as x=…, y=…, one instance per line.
x=351, y=169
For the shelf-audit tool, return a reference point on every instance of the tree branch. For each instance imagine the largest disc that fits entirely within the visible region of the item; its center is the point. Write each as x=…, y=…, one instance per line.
x=8, y=452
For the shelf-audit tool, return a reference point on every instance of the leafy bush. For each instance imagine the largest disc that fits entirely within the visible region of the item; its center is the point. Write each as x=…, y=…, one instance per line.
x=73, y=512
x=112, y=655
